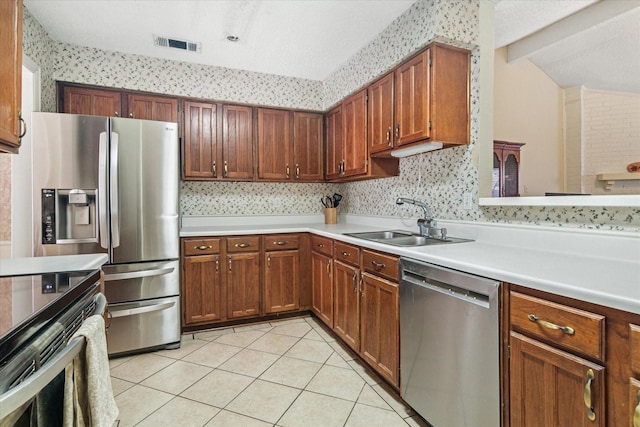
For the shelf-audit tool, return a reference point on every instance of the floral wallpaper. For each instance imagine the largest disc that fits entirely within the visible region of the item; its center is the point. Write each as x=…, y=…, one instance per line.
x=440, y=178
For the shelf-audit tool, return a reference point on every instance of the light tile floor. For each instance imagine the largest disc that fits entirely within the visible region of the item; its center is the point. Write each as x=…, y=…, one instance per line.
x=289, y=373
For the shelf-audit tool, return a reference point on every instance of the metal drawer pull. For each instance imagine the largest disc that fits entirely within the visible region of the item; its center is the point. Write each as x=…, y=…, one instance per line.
x=389, y=136
x=281, y=242
x=591, y=414
x=225, y=172
x=217, y=265
x=214, y=169
x=243, y=245
x=345, y=253
x=142, y=310
x=378, y=265
x=321, y=245
x=328, y=268
x=566, y=329
x=355, y=282
x=269, y=261
x=297, y=171
x=636, y=413
x=287, y=170
x=203, y=247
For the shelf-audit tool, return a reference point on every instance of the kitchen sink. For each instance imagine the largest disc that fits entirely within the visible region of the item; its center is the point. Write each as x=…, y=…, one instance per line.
x=403, y=238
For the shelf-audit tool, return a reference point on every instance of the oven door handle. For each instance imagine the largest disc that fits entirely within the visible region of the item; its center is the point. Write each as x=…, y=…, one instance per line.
x=142, y=310
x=20, y=395
x=138, y=274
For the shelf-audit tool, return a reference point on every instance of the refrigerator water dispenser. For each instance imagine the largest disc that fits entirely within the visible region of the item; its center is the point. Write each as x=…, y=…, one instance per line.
x=69, y=216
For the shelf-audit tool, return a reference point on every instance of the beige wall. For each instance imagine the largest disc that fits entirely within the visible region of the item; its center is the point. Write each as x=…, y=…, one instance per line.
x=528, y=108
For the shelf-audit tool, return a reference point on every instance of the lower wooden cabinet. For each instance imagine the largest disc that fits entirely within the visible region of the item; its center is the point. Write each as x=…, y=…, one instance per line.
x=346, y=303
x=550, y=387
x=322, y=287
x=243, y=285
x=380, y=326
x=201, y=292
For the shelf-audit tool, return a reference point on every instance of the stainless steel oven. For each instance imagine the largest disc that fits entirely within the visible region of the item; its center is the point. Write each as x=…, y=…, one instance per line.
x=35, y=346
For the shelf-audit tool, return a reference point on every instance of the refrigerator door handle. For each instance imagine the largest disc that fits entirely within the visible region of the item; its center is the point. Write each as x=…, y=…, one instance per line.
x=138, y=274
x=103, y=226
x=115, y=217
x=141, y=310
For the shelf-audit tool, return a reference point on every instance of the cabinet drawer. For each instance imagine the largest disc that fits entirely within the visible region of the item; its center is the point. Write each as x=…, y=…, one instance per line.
x=562, y=325
x=380, y=264
x=276, y=242
x=347, y=253
x=205, y=246
x=323, y=245
x=634, y=336
x=243, y=244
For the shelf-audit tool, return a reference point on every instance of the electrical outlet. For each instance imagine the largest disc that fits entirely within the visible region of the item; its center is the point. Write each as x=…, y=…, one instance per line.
x=277, y=202
x=467, y=201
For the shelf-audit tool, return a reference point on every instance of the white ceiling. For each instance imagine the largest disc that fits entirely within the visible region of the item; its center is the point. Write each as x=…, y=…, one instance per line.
x=312, y=38
x=301, y=38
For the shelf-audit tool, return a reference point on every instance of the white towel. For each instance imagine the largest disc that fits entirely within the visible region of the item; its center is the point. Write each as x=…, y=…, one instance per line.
x=88, y=396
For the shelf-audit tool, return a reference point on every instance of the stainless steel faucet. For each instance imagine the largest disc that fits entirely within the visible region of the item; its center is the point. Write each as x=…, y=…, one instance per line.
x=425, y=224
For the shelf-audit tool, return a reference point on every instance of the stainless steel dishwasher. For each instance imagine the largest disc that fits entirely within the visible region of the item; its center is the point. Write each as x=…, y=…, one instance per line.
x=449, y=345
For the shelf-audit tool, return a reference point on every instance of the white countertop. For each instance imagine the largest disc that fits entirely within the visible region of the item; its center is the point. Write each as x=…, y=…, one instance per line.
x=51, y=264
x=598, y=267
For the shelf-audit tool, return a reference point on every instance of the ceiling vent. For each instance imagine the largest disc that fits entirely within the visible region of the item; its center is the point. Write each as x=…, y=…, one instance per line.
x=173, y=43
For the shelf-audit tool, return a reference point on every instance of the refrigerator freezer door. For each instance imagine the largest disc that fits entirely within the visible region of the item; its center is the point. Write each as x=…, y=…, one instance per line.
x=146, y=223
x=66, y=161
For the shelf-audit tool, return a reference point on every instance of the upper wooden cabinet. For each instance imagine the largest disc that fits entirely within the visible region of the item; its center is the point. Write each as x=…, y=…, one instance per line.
x=113, y=103
x=237, y=143
x=275, y=149
x=307, y=146
x=380, y=114
x=432, y=97
x=11, y=124
x=148, y=107
x=347, y=153
x=89, y=101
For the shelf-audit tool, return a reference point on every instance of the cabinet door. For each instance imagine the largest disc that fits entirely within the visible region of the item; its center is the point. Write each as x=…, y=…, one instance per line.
x=11, y=72
x=346, y=303
x=201, y=146
x=281, y=291
x=237, y=142
x=354, y=110
x=380, y=114
x=274, y=145
x=379, y=326
x=201, y=289
x=243, y=285
x=322, y=289
x=411, y=100
x=333, y=144
x=147, y=107
x=91, y=102
x=550, y=387
x=307, y=146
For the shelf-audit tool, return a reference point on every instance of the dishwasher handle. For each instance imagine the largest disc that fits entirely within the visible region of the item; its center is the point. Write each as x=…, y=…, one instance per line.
x=454, y=291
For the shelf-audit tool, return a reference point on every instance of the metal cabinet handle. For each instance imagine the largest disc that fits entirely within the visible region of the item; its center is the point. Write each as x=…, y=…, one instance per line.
x=297, y=171
x=203, y=247
x=269, y=261
x=136, y=274
x=378, y=265
x=23, y=126
x=342, y=163
x=217, y=265
x=397, y=135
x=587, y=395
x=115, y=113
x=243, y=245
x=566, y=329
x=281, y=242
x=361, y=287
x=355, y=282
x=214, y=169
x=346, y=254
x=142, y=310
x=636, y=413
x=226, y=169
x=389, y=136
x=287, y=170
x=329, y=269
x=131, y=115
x=229, y=263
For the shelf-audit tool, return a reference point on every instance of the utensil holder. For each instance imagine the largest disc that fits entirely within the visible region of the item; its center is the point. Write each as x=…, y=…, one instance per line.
x=331, y=215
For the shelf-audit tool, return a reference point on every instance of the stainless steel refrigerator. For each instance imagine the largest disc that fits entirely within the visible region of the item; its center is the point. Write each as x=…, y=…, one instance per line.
x=110, y=185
